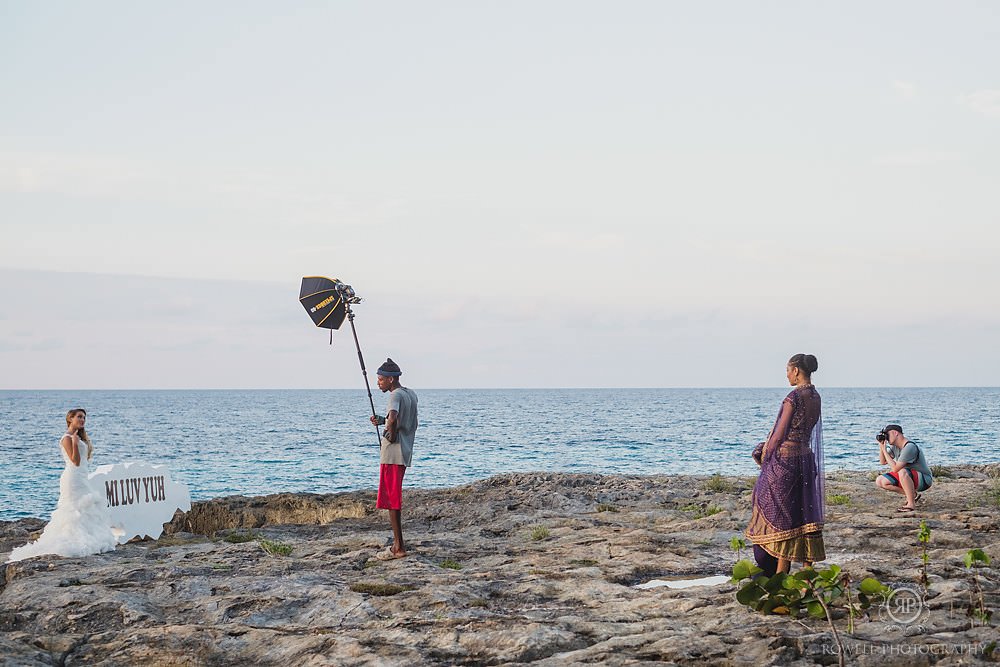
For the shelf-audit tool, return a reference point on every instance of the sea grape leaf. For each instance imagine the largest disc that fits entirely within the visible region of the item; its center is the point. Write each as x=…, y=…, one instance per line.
x=815, y=610
x=976, y=556
x=744, y=569
x=770, y=606
x=775, y=583
x=749, y=594
x=871, y=586
x=792, y=583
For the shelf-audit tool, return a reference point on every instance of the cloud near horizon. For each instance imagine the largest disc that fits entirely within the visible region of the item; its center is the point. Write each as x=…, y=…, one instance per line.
x=905, y=89
x=985, y=102
x=296, y=197
x=917, y=158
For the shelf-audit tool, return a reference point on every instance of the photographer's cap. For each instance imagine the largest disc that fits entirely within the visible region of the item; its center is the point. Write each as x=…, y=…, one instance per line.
x=389, y=369
x=893, y=427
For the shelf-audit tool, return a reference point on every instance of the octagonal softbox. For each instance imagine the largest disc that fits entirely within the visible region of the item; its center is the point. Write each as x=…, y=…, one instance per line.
x=321, y=299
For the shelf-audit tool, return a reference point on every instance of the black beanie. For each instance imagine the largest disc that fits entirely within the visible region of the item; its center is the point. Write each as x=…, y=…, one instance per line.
x=390, y=369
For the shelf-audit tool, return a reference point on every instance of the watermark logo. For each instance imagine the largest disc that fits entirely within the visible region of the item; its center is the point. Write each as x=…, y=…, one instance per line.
x=892, y=650
x=905, y=607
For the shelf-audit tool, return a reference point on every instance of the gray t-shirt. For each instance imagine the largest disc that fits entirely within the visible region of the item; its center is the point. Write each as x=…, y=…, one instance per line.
x=913, y=457
x=404, y=402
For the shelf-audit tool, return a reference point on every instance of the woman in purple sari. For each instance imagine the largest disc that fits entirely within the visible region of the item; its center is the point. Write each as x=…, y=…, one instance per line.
x=787, y=520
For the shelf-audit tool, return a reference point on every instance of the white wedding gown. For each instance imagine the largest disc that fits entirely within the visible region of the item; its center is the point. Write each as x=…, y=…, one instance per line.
x=80, y=524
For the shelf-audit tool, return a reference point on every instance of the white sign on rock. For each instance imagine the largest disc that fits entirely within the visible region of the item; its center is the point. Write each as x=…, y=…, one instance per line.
x=141, y=498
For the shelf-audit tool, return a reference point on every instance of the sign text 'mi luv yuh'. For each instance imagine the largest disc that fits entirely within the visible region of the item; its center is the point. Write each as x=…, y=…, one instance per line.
x=134, y=490
x=141, y=497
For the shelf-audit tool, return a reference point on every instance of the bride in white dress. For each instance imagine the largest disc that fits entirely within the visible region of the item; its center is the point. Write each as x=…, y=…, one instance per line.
x=80, y=524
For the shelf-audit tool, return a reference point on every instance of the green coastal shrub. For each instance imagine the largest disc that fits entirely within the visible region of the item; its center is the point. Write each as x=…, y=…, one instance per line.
x=993, y=494
x=977, y=604
x=839, y=499
x=539, y=533
x=815, y=592
x=240, y=537
x=274, y=547
x=924, y=537
x=719, y=484
x=451, y=564
x=738, y=544
x=702, y=512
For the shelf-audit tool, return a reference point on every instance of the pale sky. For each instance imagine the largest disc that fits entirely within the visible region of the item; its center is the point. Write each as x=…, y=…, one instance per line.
x=527, y=194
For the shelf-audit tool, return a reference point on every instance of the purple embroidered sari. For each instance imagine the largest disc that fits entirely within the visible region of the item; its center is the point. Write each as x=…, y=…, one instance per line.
x=788, y=498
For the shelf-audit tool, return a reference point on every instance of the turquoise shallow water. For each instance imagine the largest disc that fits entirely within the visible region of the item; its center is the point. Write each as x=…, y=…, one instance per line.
x=257, y=442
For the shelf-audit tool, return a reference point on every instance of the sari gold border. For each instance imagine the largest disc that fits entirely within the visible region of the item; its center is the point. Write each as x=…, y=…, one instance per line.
x=804, y=554
x=768, y=533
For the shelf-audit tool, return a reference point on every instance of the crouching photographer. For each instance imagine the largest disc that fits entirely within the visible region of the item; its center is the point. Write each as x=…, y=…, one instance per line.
x=908, y=472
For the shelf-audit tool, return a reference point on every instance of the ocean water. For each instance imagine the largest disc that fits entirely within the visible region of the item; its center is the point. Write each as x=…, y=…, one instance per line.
x=258, y=442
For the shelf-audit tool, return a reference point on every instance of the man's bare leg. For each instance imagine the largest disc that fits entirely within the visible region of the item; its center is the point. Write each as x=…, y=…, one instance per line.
x=887, y=486
x=906, y=482
x=396, y=520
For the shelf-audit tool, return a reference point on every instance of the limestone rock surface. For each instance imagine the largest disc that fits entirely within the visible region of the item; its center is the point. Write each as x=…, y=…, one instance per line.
x=515, y=569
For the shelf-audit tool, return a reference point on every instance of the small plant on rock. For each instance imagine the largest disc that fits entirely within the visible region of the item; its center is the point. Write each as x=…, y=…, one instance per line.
x=738, y=544
x=607, y=507
x=539, y=533
x=451, y=564
x=839, y=499
x=924, y=537
x=275, y=548
x=711, y=510
x=941, y=472
x=977, y=605
x=993, y=494
x=719, y=484
x=702, y=512
x=240, y=538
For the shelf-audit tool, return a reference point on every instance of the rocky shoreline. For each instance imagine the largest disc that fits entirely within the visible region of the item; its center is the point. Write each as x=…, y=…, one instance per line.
x=518, y=568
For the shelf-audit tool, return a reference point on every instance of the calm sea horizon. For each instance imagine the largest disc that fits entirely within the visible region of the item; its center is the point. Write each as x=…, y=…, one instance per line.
x=253, y=442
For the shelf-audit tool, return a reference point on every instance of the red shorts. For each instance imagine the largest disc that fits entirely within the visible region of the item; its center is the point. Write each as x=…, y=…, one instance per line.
x=390, y=487
x=919, y=483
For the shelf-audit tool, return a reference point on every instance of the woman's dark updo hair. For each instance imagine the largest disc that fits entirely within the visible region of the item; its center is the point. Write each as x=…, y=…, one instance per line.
x=804, y=362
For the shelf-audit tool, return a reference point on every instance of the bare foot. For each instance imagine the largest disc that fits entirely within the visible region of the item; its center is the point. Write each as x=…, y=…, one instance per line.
x=389, y=554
